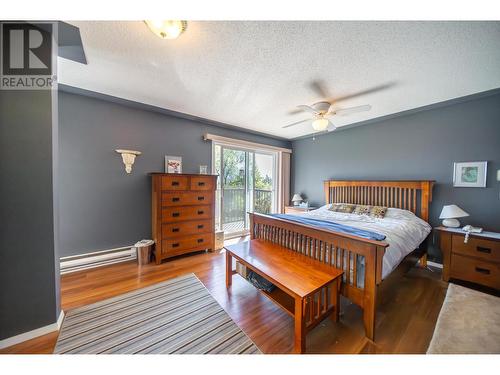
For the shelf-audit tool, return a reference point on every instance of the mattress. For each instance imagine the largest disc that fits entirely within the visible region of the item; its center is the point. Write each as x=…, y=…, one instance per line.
x=404, y=232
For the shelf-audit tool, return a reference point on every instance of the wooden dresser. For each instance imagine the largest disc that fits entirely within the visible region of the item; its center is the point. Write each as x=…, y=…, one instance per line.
x=183, y=213
x=477, y=261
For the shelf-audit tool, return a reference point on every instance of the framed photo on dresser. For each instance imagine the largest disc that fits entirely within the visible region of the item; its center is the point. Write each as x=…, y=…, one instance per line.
x=173, y=164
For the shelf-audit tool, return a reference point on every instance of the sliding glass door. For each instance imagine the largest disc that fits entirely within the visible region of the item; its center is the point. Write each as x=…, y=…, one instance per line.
x=246, y=183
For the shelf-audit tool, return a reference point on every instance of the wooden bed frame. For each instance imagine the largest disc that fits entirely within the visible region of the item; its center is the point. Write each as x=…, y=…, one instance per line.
x=345, y=251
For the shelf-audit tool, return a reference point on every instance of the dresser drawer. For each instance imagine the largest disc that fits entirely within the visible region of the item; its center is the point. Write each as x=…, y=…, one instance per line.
x=174, y=182
x=475, y=270
x=174, y=214
x=476, y=247
x=184, y=198
x=181, y=245
x=202, y=183
x=186, y=227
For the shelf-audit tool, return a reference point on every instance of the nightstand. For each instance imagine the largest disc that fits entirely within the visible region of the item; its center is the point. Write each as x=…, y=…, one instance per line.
x=297, y=210
x=477, y=261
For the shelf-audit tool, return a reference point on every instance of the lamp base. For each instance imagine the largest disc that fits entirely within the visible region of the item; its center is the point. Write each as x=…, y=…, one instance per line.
x=451, y=223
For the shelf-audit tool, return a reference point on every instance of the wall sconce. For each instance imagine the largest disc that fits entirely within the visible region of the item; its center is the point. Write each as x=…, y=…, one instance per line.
x=128, y=157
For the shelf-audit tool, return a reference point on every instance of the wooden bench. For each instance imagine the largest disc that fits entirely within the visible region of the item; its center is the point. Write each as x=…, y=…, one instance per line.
x=297, y=277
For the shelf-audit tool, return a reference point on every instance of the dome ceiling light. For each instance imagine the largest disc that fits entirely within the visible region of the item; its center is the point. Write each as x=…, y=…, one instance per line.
x=170, y=29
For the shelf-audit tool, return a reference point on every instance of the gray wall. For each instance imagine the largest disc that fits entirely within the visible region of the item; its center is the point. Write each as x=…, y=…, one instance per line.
x=29, y=278
x=421, y=145
x=102, y=207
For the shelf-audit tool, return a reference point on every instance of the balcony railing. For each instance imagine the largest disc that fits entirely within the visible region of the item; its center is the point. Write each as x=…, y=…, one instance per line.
x=234, y=206
x=262, y=201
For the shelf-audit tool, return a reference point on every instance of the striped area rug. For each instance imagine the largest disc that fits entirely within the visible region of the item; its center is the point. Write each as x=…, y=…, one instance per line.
x=173, y=317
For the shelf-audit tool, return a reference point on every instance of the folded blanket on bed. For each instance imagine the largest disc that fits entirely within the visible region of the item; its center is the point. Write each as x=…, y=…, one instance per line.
x=333, y=226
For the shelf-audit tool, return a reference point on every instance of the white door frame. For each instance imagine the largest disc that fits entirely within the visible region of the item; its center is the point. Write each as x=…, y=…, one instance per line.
x=273, y=151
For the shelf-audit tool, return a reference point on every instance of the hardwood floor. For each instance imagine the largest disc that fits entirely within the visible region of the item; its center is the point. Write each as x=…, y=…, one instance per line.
x=405, y=322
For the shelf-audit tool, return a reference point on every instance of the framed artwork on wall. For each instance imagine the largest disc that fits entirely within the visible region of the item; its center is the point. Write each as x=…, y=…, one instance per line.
x=470, y=174
x=173, y=164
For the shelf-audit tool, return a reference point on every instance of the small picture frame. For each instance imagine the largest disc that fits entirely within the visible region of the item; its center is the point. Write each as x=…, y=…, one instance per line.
x=173, y=164
x=470, y=174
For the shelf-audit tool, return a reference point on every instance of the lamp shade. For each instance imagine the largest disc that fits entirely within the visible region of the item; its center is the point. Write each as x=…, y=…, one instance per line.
x=296, y=198
x=452, y=211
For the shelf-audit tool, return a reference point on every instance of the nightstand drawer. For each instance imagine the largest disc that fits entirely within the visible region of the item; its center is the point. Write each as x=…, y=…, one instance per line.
x=476, y=247
x=475, y=270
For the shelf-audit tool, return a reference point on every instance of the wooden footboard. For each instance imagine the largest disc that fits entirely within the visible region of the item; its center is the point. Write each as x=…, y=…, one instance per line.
x=349, y=253
x=361, y=259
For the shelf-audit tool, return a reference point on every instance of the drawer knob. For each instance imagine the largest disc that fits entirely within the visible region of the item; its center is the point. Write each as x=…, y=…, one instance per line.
x=201, y=212
x=175, y=214
x=201, y=198
x=175, y=229
x=200, y=240
x=201, y=183
x=175, y=244
x=175, y=183
x=482, y=270
x=200, y=226
x=175, y=199
x=483, y=250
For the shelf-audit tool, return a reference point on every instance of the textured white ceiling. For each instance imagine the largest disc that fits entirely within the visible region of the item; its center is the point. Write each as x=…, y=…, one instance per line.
x=252, y=74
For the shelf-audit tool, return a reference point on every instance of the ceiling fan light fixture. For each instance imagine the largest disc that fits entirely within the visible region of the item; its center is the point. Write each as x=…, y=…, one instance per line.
x=320, y=124
x=168, y=29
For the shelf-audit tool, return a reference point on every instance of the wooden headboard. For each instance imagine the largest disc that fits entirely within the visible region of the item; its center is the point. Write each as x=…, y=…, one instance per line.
x=414, y=196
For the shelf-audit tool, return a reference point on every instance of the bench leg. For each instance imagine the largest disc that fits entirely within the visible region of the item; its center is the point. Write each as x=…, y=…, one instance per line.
x=335, y=300
x=229, y=269
x=300, y=331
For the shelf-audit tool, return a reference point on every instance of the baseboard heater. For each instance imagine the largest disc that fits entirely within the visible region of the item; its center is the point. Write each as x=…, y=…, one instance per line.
x=97, y=259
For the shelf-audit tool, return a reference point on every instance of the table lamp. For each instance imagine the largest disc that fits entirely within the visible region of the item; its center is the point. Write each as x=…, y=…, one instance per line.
x=296, y=199
x=449, y=215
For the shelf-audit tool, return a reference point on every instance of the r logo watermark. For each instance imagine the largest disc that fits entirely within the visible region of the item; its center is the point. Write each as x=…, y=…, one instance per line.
x=27, y=55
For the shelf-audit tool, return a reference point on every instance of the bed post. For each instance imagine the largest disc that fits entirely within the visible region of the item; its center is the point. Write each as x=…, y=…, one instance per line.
x=370, y=293
x=326, y=186
x=252, y=229
x=425, y=201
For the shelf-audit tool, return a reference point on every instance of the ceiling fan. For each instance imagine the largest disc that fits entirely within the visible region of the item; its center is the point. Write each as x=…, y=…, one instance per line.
x=322, y=111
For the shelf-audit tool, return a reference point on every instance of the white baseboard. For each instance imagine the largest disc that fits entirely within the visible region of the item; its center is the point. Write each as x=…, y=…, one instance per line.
x=433, y=264
x=32, y=334
x=97, y=259
x=60, y=320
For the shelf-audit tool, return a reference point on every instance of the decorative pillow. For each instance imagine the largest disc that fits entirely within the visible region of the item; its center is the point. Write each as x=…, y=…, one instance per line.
x=342, y=207
x=362, y=209
x=378, y=212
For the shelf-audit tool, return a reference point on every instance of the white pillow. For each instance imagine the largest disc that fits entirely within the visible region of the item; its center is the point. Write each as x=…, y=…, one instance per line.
x=397, y=213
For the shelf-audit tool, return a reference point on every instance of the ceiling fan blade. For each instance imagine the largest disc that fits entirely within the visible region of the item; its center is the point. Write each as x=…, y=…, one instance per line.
x=295, y=123
x=331, y=110
x=364, y=92
x=319, y=88
x=330, y=127
x=309, y=109
x=349, y=111
x=295, y=111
